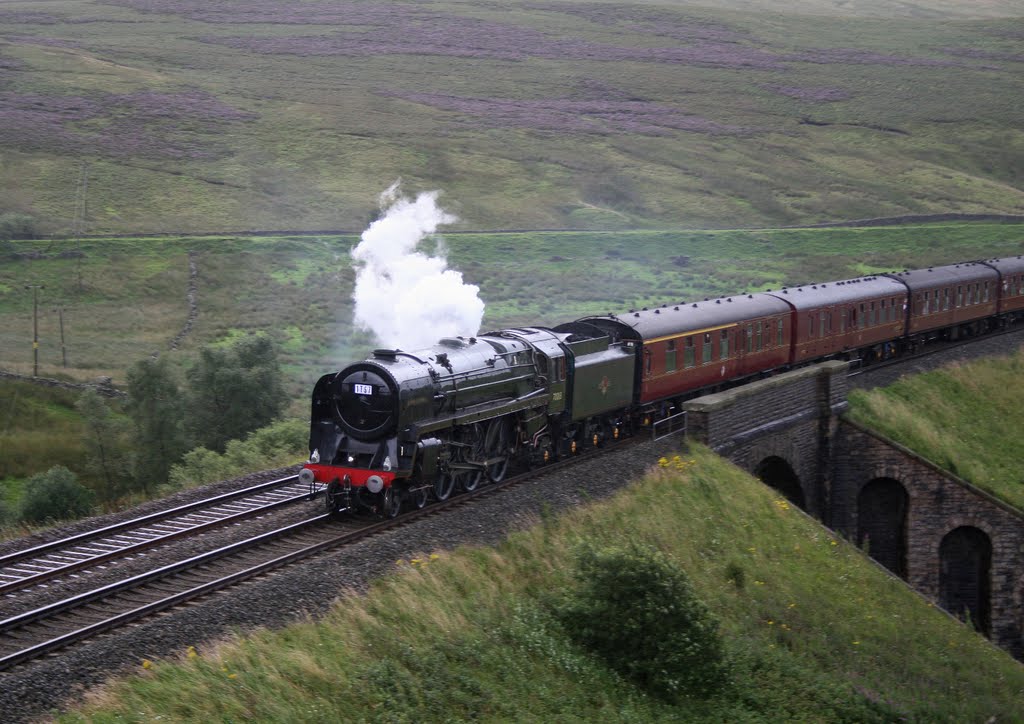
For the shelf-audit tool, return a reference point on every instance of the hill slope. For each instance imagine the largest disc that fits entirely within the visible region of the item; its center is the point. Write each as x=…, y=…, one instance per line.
x=183, y=116
x=813, y=631
x=965, y=418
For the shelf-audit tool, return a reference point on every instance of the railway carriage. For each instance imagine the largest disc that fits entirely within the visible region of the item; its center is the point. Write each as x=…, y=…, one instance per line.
x=1011, y=285
x=850, y=318
x=948, y=301
x=702, y=345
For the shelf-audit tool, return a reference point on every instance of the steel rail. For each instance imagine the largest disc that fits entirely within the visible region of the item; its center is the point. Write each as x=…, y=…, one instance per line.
x=133, y=548
x=11, y=558
x=933, y=349
x=120, y=618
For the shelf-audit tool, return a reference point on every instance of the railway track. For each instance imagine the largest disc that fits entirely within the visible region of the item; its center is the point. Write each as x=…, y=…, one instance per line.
x=40, y=564
x=34, y=633
x=934, y=350
x=37, y=632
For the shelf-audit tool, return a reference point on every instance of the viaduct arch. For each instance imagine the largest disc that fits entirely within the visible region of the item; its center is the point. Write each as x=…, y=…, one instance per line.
x=951, y=541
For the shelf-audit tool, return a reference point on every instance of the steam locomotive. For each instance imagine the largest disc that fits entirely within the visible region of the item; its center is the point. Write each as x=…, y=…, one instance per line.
x=405, y=427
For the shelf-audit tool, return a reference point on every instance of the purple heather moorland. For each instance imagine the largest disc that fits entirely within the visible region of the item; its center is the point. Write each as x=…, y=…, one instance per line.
x=578, y=116
x=133, y=124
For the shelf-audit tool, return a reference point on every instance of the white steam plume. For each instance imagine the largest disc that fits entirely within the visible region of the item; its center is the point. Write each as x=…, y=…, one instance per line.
x=409, y=299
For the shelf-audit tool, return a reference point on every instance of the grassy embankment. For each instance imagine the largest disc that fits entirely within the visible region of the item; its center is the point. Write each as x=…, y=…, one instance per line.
x=553, y=115
x=814, y=632
x=965, y=418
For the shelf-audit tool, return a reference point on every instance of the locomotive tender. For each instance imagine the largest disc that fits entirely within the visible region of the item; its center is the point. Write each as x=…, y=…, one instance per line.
x=411, y=426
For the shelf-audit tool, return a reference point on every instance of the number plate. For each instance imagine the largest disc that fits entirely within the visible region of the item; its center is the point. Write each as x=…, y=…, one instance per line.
x=363, y=389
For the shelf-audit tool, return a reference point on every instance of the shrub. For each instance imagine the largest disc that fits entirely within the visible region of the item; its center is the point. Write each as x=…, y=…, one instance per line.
x=201, y=466
x=638, y=612
x=283, y=443
x=17, y=226
x=55, y=495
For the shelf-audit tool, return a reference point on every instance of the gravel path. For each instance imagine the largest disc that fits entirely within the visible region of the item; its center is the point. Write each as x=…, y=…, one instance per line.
x=305, y=589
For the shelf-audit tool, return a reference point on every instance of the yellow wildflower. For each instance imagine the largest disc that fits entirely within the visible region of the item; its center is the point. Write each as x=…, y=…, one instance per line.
x=147, y=664
x=434, y=556
x=191, y=651
x=663, y=462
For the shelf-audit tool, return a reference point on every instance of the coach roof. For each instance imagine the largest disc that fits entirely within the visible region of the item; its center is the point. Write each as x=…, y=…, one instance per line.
x=943, y=276
x=847, y=291
x=675, y=319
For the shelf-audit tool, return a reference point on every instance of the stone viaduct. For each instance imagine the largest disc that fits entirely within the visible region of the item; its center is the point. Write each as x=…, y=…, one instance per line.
x=956, y=544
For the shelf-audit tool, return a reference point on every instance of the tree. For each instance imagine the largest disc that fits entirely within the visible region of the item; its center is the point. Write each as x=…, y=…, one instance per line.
x=105, y=444
x=233, y=391
x=156, y=408
x=17, y=226
x=55, y=495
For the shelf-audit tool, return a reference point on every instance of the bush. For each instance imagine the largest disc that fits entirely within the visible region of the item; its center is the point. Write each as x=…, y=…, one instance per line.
x=17, y=226
x=638, y=612
x=55, y=495
x=283, y=443
x=201, y=466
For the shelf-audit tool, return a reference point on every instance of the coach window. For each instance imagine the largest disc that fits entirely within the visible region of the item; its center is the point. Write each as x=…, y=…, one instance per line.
x=821, y=324
x=688, y=356
x=780, y=337
x=707, y=348
x=647, y=361
x=923, y=305
x=723, y=344
x=970, y=293
x=810, y=325
x=946, y=298
x=750, y=338
x=670, y=355
x=986, y=291
x=842, y=320
x=1020, y=284
x=757, y=337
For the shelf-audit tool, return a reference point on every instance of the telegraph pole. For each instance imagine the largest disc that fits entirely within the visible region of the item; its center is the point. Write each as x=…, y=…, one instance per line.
x=35, y=326
x=63, y=349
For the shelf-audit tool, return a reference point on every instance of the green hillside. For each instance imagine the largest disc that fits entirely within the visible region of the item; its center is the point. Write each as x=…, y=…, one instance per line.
x=131, y=302
x=248, y=114
x=811, y=631
x=965, y=418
